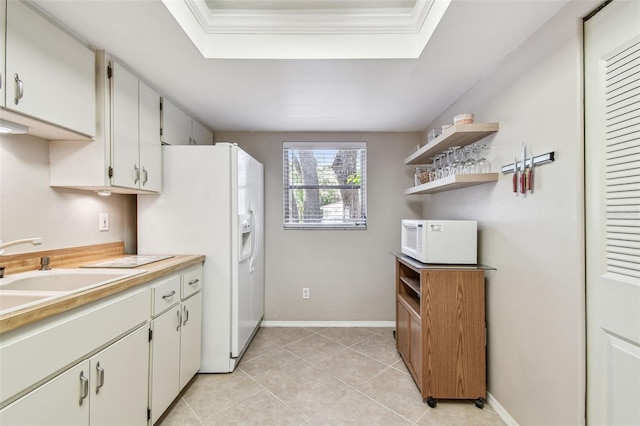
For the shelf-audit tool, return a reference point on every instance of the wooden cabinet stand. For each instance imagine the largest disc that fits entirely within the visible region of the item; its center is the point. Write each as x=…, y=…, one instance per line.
x=440, y=329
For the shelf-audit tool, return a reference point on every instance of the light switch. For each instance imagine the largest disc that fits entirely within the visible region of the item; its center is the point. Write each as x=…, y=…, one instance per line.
x=104, y=221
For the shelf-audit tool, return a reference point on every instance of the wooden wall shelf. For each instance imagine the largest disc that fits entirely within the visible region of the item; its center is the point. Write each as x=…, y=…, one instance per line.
x=452, y=182
x=457, y=135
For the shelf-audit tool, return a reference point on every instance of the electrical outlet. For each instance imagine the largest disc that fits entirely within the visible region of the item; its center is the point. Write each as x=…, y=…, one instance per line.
x=305, y=293
x=104, y=222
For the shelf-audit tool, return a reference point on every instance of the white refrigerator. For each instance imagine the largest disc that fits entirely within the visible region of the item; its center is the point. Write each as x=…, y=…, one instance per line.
x=212, y=203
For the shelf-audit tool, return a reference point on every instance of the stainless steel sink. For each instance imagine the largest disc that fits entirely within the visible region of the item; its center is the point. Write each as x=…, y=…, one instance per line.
x=25, y=289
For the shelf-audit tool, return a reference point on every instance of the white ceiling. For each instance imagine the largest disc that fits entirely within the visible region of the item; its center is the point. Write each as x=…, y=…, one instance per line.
x=308, y=95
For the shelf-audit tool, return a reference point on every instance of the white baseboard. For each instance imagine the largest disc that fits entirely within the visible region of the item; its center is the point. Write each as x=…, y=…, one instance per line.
x=500, y=411
x=390, y=324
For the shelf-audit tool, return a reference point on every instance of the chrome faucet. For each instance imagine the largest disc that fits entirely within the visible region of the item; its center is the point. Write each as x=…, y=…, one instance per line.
x=44, y=264
x=35, y=241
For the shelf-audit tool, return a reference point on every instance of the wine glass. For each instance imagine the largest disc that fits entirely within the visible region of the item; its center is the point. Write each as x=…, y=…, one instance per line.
x=440, y=170
x=433, y=170
x=483, y=165
x=447, y=165
x=470, y=162
x=455, y=165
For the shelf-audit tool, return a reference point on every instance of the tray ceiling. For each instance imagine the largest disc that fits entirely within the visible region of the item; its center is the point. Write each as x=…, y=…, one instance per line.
x=308, y=29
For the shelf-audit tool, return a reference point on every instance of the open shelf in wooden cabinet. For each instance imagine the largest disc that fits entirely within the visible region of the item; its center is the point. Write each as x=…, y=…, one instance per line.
x=452, y=182
x=456, y=135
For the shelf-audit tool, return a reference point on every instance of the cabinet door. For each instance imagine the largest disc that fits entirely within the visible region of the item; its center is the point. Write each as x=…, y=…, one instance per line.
x=415, y=348
x=176, y=124
x=200, y=134
x=56, y=402
x=51, y=74
x=191, y=337
x=402, y=331
x=124, y=127
x=150, y=145
x=120, y=381
x=165, y=361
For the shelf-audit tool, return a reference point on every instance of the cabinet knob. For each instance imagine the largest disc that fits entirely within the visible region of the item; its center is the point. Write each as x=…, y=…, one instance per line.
x=145, y=175
x=179, y=319
x=185, y=315
x=136, y=173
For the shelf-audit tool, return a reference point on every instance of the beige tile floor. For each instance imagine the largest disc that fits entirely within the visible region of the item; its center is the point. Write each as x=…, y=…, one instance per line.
x=318, y=376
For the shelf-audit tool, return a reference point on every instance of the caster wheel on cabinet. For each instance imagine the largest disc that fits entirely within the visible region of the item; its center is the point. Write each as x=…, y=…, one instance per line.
x=431, y=402
x=479, y=403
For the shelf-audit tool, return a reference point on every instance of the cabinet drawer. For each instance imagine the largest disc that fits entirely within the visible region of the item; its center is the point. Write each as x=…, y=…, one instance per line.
x=165, y=294
x=191, y=281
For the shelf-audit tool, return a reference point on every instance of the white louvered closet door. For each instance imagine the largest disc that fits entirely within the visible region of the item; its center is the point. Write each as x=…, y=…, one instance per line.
x=612, y=150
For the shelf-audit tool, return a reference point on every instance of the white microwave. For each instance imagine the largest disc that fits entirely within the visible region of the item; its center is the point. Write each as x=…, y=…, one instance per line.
x=440, y=241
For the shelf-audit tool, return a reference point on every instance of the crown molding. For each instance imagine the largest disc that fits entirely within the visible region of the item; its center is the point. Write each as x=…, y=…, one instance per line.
x=309, y=33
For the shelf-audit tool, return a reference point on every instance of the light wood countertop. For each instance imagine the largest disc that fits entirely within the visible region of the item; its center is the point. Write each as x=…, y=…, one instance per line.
x=31, y=314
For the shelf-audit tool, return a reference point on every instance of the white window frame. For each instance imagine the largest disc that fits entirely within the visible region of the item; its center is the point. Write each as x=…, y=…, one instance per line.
x=356, y=223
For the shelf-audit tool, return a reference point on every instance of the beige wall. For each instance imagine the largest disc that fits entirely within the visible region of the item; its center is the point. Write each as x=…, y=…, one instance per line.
x=62, y=217
x=535, y=299
x=350, y=274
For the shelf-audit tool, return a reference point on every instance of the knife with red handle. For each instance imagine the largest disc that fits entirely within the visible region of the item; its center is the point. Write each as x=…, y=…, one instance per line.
x=523, y=174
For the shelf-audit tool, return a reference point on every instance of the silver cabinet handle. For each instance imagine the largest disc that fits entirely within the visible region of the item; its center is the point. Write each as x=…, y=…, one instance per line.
x=137, y=173
x=194, y=282
x=19, y=89
x=169, y=295
x=84, y=387
x=145, y=175
x=179, y=319
x=185, y=315
x=100, y=371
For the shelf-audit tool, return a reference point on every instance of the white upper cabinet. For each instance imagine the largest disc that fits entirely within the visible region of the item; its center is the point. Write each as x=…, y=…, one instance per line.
x=200, y=134
x=150, y=145
x=124, y=119
x=176, y=124
x=179, y=128
x=48, y=75
x=136, y=132
x=126, y=155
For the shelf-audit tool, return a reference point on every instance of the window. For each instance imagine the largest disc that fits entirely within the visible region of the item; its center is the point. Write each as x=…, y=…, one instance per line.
x=325, y=185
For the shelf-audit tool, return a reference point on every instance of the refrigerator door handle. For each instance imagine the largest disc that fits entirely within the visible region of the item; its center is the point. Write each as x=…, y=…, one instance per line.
x=256, y=231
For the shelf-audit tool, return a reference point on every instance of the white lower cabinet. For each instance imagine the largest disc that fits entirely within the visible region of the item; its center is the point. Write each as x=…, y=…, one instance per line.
x=54, y=403
x=109, y=388
x=175, y=342
x=165, y=358
x=119, y=380
x=118, y=361
x=190, y=338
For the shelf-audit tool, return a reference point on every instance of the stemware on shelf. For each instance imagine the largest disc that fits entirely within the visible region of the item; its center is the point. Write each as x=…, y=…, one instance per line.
x=440, y=169
x=483, y=165
x=470, y=162
x=433, y=174
x=455, y=165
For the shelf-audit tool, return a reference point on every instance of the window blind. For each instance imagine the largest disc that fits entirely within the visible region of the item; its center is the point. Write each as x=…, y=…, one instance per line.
x=325, y=185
